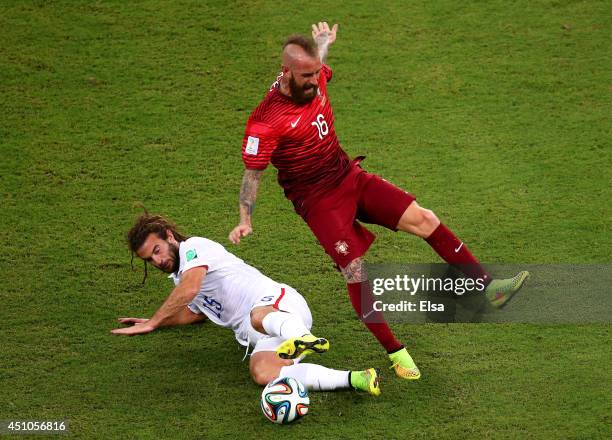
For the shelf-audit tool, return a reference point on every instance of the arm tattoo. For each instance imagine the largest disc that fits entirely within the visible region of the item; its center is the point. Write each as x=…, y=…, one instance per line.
x=248, y=189
x=355, y=272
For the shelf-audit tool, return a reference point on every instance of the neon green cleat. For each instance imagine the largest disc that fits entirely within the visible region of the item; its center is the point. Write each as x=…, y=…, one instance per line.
x=367, y=380
x=404, y=366
x=295, y=347
x=499, y=292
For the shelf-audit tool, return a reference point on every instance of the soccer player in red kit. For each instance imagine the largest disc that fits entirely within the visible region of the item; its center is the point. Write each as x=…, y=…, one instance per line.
x=293, y=127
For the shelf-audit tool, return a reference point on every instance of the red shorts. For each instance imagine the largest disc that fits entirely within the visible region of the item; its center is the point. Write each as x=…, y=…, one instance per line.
x=362, y=196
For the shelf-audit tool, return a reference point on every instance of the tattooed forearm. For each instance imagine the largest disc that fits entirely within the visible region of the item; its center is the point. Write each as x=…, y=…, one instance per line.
x=355, y=271
x=248, y=193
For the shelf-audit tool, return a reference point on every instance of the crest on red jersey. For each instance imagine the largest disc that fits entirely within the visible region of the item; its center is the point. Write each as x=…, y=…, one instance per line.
x=341, y=247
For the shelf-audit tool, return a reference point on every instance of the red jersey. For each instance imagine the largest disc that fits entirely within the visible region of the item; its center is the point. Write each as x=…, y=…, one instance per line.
x=299, y=140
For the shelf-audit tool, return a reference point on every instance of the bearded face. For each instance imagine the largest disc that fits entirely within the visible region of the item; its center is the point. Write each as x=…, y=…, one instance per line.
x=302, y=93
x=174, y=261
x=161, y=253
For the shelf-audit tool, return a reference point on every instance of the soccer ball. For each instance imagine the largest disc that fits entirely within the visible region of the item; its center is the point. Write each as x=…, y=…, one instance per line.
x=284, y=400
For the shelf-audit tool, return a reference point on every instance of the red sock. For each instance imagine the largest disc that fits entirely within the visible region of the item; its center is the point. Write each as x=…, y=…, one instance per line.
x=454, y=252
x=362, y=301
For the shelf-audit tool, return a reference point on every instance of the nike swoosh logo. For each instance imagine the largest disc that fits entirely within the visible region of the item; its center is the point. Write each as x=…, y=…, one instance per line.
x=293, y=124
x=364, y=316
x=459, y=248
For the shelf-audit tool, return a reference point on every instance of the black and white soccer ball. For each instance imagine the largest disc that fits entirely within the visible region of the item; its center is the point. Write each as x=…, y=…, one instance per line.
x=284, y=400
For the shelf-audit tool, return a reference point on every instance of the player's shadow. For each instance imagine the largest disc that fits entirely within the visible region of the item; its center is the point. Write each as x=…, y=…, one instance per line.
x=459, y=306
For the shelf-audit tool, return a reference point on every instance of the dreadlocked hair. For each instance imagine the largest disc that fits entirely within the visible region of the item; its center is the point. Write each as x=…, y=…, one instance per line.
x=145, y=225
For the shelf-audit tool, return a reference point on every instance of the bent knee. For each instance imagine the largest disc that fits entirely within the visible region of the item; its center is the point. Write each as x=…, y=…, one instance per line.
x=263, y=376
x=255, y=318
x=429, y=223
x=430, y=219
x=257, y=315
x=419, y=221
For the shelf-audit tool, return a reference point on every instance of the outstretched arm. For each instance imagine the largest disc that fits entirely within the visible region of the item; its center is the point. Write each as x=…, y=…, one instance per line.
x=171, y=311
x=324, y=37
x=183, y=317
x=248, y=194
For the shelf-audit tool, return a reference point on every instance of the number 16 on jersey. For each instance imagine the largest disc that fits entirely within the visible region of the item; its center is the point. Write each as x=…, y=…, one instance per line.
x=321, y=125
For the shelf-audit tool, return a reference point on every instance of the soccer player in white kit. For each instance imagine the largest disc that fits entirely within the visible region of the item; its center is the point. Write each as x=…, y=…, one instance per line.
x=211, y=283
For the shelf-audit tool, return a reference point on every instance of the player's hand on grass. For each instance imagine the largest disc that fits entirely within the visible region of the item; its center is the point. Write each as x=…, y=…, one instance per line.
x=240, y=231
x=132, y=321
x=136, y=329
x=322, y=34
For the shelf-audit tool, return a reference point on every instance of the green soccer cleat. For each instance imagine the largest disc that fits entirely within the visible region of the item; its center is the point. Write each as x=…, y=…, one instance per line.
x=367, y=380
x=499, y=292
x=295, y=347
x=404, y=366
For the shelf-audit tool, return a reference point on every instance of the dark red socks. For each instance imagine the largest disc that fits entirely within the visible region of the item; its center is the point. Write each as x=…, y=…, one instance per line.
x=454, y=252
x=362, y=301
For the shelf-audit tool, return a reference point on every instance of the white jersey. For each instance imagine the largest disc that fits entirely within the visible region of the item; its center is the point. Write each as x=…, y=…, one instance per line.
x=230, y=288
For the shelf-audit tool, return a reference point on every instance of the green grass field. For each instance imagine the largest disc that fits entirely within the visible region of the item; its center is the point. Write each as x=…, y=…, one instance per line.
x=496, y=114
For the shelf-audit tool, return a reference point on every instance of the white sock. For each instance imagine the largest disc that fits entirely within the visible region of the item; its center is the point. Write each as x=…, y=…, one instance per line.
x=316, y=377
x=285, y=325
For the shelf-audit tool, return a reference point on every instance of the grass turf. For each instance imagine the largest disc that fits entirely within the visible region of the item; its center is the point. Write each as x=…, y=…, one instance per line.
x=497, y=116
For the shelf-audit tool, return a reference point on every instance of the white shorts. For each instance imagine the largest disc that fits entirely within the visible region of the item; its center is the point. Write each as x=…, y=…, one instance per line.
x=287, y=300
